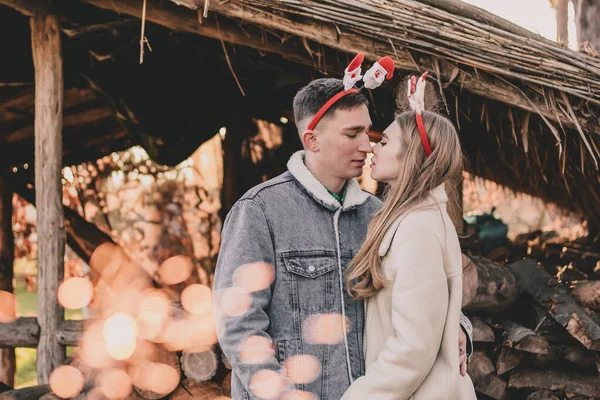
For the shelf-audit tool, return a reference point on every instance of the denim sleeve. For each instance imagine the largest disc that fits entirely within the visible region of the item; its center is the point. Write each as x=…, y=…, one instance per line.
x=468, y=329
x=246, y=238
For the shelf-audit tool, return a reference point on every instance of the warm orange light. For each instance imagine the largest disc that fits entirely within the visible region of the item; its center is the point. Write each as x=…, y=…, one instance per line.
x=152, y=313
x=234, y=301
x=325, y=328
x=7, y=307
x=302, y=368
x=155, y=377
x=66, y=381
x=266, y=384
x=114, y=383
x=197, y=299
x=120, y=333
x=254, y=277
x=256, y=350
x=175, y=270
x=75, y=293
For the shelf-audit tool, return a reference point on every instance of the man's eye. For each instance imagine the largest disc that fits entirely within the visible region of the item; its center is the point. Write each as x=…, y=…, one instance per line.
x=383, y=143
x=352, y=136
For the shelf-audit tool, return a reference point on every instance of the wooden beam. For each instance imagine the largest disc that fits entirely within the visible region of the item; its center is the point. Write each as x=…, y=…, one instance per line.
x=8, y=364
x=22, y=332
x=28, y=393
x=70, y=332
x=49, y=94
x=28, y=7
x=180, y=19
x=25, y=332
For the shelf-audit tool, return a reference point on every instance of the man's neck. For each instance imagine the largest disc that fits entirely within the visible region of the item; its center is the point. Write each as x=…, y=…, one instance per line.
x=333, y=184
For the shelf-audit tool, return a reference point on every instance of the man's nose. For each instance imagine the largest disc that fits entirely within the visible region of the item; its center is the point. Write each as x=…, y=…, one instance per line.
x=365, y=145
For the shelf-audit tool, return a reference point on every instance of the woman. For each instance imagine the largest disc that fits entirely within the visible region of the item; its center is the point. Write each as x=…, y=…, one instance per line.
x=409, y=269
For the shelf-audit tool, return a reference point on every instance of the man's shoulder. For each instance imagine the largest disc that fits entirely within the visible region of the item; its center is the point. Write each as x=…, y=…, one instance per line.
x=270, y=187
x=374, y=203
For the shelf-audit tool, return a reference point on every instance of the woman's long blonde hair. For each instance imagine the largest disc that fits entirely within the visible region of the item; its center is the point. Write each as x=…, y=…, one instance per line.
x=417, y=178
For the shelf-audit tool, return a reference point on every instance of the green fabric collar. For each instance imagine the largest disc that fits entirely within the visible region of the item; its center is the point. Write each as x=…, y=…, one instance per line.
x=341, y=196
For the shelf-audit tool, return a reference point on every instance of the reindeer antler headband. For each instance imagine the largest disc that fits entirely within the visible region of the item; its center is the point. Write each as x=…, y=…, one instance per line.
x=373, y=78
x=416, y=98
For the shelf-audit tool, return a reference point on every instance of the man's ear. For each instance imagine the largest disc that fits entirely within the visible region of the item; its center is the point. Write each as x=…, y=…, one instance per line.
x=310, y=141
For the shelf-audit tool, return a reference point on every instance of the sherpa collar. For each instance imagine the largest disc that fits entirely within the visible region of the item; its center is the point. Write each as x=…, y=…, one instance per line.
x=355, y=196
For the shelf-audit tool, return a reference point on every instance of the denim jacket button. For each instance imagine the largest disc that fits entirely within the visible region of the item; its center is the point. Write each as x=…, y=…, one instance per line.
x=311, y=268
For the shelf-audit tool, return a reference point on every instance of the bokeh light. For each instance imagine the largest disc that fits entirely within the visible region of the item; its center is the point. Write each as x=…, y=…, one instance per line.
x=266, y=384
x=7, y=307
x=75, y=293
x=325, y=328
x=197, y=299
x=234, y=302
x=256, y=350
x=175, y=270
x=120, y=333
x=66, y=381
x=114, y=383
x=302, y=368
x=254, y=277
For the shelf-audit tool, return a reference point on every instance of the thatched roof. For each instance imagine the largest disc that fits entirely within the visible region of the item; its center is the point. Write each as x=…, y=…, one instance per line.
x=528, y=109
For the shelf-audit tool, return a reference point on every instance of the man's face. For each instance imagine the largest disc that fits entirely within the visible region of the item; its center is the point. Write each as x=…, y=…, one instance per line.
x=344, y=142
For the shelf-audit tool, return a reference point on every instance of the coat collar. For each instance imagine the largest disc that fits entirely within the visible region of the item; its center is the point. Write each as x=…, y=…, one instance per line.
x=436, y=196
x=355, y=196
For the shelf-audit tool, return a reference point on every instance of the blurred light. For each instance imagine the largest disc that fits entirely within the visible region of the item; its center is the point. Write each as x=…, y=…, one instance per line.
x=254, y=277
x=67, y=173
x=266, y=384
x=114, y=383
x=7, y=307
x=283, y=120
x=302, y=369
x=66, y=381
x=120, y=332
x=25, y=166
x=75, y=293
x=325, y=328
x=152, y=314
x=234, y=302
x=256, y=350
x=155, y=377
x=197, y=299
x=175, y=270
x=15, y=169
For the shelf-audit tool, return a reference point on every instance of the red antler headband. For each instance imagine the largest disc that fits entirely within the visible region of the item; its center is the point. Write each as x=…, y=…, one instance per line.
x=374, y=77
x=416, y=98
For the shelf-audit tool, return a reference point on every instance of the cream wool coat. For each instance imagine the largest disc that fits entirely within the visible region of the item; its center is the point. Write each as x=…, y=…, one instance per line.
x=412, y=325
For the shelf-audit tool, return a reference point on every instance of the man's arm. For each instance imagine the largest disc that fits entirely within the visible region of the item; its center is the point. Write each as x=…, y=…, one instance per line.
x=246, y=239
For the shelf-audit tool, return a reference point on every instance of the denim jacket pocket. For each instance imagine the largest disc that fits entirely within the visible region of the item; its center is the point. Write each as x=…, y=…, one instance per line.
x=313, y=281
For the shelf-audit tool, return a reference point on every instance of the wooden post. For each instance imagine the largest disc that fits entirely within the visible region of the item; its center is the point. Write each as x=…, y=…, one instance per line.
x=49, y=92
x=562, y=21
x=7, y=251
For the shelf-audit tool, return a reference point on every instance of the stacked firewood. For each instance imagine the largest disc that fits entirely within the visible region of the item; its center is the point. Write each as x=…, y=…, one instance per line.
x=536, y=334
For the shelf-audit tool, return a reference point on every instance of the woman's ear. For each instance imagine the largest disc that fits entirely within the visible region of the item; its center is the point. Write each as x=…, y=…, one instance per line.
x=310, y=141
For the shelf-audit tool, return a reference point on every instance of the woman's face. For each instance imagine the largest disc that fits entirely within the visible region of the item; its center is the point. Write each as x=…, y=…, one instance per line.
x=387, y=160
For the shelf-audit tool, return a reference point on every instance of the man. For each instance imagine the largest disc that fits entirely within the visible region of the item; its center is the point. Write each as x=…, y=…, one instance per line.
x=307, y=224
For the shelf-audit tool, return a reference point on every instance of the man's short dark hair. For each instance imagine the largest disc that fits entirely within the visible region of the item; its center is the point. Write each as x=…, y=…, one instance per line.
x=311, y=98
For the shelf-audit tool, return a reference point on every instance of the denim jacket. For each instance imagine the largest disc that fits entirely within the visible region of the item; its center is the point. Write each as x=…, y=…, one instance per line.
x=292, y=223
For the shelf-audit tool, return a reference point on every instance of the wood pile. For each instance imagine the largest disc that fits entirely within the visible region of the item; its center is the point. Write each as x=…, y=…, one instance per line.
x=536, y=325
